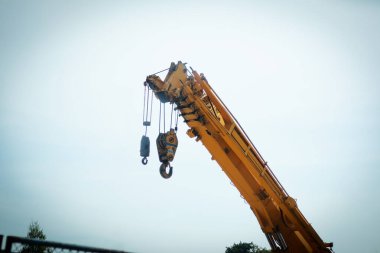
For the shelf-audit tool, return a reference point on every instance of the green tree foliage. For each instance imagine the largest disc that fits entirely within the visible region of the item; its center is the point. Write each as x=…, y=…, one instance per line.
x=244, y=247
x=35, y=232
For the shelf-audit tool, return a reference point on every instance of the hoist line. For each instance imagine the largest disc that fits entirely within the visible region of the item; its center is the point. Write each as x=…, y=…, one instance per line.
x=159, y=120
x=164, y=118
x=171, y=116
x=144, y=104
x=147, y=106
x=151, y=105
x=176, y=122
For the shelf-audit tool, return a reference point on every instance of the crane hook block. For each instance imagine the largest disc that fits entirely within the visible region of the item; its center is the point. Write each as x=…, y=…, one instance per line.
x=163, y=172
x=167, y=144
x=144, y=149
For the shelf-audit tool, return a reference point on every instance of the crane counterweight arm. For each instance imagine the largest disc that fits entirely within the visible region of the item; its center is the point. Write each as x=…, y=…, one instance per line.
x=210, y=122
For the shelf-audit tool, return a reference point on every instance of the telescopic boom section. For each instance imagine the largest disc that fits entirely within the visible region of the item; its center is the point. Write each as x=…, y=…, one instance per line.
x=210, y=122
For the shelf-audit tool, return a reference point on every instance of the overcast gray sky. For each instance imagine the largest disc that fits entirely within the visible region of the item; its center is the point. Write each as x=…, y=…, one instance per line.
x=302, y=77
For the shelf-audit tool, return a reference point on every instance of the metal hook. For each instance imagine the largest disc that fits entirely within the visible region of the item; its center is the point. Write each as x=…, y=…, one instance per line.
x=163, y=172
x=144, y=160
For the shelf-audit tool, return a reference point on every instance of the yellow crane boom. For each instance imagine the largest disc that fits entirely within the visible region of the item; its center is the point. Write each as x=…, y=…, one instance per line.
x=210, y=122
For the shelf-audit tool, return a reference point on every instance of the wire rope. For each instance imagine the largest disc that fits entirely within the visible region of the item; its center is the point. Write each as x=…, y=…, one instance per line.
x=151, y=106
x=164, y=118
x=159, y=120
x=171, y=116
x=144, y=104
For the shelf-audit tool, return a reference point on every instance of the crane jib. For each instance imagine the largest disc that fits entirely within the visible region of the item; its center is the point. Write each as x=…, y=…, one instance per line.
x=210, y=121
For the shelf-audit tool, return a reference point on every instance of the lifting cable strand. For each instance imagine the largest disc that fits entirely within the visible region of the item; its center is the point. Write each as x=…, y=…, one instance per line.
x=147, y=105
x=176, y=122
x=171, y=117
x=144, y=104
x=164, y=118
x=145, y=109
x=159, y=121
x=151, y=105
